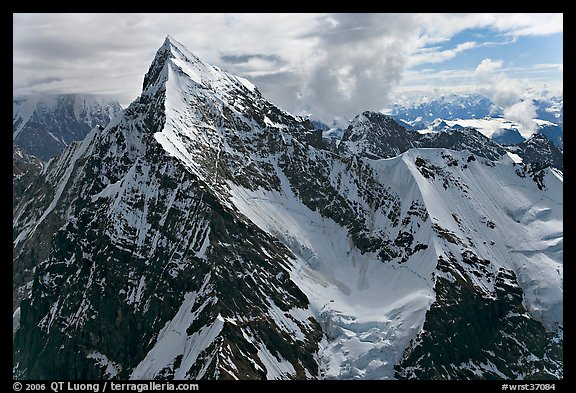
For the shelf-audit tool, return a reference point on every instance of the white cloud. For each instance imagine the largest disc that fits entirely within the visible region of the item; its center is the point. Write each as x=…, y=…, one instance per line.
x=505, y=92
x=523, y=112
x=443, y=26
x=487, y=67
x=528, y=24
x=430, y=55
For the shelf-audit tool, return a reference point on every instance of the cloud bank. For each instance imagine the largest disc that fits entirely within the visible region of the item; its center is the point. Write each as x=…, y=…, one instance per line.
x=329, y=65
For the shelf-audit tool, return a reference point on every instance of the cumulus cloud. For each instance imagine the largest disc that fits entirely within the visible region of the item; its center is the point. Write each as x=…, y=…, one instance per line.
x=506, y=93
x=486, y=68
x=523, y=112
x=501, y=89
x=359, y=59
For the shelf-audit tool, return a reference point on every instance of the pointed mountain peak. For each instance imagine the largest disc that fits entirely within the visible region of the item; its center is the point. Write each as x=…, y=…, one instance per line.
x=375, y=135
x=178, y=50
x=169, y=40
x=374, y=117
x=369, y=120
x=538, y=138
x=169, y=43
x=172, y=55
x=539, y=142
x=171, y=50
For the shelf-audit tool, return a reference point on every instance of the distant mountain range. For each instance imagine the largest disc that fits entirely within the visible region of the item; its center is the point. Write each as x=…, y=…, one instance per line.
x=471, y=106
x=451, y=107
x=43, y=125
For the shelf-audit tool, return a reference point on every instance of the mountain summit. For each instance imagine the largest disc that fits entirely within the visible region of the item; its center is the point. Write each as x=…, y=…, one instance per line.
x=207, y=234
x=174, y=57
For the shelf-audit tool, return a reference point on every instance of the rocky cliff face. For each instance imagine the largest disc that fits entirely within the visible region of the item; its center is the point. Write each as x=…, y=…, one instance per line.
x=205, y=233
x=25, y=169
x=540, y=151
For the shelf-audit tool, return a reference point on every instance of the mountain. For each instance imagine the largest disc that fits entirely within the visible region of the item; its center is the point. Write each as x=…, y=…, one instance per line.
x=367, y=132
x=44, y=125
x=471, y=106
x=450, y=107
x=150, y=271
x=375, y=135
x=550, y=109
x=539, y=151
x=26, y=169
x=554, y=133
x=439, y=125
x=507, y=136
x=207, y=234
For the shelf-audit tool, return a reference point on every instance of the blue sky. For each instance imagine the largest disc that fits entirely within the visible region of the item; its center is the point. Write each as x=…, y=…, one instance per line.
x=523, y=52
x=327, y=65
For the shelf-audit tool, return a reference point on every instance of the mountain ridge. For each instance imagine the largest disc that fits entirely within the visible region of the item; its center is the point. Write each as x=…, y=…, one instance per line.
x=43, y=125
x=376, y=135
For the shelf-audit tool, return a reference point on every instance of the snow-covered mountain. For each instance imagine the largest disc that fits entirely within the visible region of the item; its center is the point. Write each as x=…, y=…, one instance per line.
x=471, y=106
x=25, y=171
x=449, y=107
x=507, y=136
x=551, y=109
x=207, y=234
x=439, y=125
x=554, y=133
x=539, y=151
x=44, y=125
x=375, y=135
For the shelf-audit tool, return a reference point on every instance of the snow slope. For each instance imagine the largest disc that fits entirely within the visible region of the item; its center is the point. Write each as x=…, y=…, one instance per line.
x=371, y=310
